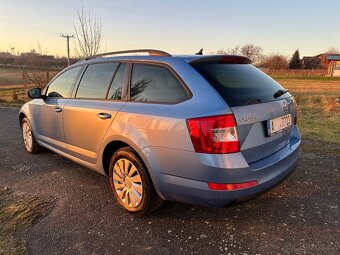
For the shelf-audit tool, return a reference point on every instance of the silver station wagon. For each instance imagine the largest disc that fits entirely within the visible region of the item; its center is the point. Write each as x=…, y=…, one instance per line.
x=210, y=130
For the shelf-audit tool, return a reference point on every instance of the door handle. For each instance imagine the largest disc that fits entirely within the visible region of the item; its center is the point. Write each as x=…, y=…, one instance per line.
x=58, y=109
x=104, y=115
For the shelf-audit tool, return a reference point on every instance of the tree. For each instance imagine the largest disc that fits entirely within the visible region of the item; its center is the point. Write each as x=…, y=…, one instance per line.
x=221, y=52
x=253, y=52
x=275, y=61
x=88, y=34
x=295, y=62
x=234, y=51
x=37, y=67
x=332, y=50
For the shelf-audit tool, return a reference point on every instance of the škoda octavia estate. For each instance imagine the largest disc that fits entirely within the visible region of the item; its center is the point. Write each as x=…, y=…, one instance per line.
x=207, y=130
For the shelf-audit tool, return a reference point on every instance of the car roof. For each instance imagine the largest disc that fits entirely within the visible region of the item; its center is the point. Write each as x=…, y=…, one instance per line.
x=167, y=59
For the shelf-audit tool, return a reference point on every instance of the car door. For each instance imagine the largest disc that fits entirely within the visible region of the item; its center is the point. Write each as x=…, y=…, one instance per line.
x=47, y=112
x=89, y=113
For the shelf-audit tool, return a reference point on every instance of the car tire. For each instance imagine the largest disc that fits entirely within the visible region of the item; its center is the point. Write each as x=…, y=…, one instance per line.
x=28, y=138
x=131, y=184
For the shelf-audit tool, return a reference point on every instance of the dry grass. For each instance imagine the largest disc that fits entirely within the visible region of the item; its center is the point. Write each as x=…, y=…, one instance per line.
x=18, y=213
x=319, y=107
x=10, y=76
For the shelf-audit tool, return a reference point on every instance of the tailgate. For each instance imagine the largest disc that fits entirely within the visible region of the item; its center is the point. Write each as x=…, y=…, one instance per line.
x=252, y=125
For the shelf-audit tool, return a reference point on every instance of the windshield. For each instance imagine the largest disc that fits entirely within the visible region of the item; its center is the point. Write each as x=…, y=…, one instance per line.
x=240, y=84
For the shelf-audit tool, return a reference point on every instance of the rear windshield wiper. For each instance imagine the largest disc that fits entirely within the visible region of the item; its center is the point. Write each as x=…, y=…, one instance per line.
x=280, y=92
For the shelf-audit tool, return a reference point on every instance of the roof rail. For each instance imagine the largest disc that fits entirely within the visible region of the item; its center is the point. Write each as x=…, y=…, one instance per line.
x=150, y=51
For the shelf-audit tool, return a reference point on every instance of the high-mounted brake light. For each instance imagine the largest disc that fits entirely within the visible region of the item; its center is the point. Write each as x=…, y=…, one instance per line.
x=215, y=134
x=235, y=60
x=231, y=186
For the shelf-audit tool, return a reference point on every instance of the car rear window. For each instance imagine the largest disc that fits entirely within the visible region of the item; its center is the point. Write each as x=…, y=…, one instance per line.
x=239, y=84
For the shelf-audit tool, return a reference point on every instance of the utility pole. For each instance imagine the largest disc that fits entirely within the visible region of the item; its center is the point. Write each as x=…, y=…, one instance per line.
x=67, y=36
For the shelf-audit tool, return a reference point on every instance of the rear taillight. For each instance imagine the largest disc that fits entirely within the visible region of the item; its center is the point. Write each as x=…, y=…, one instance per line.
x=296, y=111
x=215, y=134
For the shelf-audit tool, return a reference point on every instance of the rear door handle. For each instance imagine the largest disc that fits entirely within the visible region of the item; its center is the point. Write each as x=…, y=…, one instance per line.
x=104, y=115
x=58, y=109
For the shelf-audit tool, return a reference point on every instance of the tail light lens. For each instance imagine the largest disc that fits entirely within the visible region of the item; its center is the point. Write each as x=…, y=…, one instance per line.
x=215, y=134
x=296, y=111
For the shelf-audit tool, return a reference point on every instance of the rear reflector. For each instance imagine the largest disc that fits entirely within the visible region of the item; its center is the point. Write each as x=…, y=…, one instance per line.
x=215, y=134
x=231, y=186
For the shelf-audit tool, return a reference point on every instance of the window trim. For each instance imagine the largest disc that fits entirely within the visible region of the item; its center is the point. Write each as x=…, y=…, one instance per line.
x=58, y=75
x=124, y=99
x=169, y=68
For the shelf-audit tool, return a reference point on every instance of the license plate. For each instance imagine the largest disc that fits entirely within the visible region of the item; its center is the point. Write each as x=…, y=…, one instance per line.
x=277, y=125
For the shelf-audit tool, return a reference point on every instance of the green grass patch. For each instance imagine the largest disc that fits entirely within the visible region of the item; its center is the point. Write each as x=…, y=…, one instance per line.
x=18, y=212
x=320, y=126
x=319, y=117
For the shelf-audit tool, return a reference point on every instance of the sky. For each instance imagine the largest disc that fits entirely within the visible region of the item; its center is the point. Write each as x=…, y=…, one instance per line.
x=176, y=26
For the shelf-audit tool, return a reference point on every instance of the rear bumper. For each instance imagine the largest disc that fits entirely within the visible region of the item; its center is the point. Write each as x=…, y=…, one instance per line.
x=183, y=176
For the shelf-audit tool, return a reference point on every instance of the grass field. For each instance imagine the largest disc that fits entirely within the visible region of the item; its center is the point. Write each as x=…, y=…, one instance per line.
x=318, y=99
x=10, y=76
x=318, y=107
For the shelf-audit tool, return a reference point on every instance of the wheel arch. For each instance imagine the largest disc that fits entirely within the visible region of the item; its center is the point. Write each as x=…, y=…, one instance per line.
x=22, y=115
x=115, y=144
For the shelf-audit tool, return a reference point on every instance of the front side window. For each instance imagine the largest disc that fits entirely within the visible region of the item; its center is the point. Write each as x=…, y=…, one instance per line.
x=96, y=80
x=62, y=85
x=153, y=83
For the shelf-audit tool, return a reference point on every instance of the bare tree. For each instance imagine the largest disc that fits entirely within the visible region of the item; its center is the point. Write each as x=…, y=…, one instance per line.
x=37, y=67
x=221, y=52
x=88, y=33
x=332, y=50
x=275, y=61
x=234, y=51
x=253, y=52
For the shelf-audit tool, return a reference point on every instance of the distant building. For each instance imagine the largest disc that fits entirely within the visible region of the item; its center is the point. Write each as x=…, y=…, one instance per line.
x=331, y=62
x=315, y=62
x=334, y=65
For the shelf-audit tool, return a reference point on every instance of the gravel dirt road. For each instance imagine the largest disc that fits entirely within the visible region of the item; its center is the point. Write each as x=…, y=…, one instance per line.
x=300, y=216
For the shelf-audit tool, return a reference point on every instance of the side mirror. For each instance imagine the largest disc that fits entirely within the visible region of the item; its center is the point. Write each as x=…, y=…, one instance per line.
x=34, y=93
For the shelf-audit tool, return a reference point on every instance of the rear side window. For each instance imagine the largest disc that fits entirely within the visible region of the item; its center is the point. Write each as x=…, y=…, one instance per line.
x=115, y=92
x=153, y=83
x=240, y=84
x=61, y=86
x=96, y=80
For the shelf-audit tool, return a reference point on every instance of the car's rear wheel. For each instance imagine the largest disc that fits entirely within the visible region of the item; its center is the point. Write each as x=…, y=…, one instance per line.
x=131, y=183
x=30, y=143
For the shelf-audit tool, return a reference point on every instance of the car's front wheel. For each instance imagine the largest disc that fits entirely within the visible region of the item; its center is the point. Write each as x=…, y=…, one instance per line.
x=30, y=143
x=131, y=183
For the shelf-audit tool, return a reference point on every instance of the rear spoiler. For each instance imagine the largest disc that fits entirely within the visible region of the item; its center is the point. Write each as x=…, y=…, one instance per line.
x=232, y=59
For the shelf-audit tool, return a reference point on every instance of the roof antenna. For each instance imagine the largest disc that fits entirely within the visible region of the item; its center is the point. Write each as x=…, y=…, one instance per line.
x=200, y=52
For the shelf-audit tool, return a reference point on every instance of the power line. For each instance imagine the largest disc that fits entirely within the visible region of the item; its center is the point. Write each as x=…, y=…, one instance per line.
x=67, y=36
x=23, y=25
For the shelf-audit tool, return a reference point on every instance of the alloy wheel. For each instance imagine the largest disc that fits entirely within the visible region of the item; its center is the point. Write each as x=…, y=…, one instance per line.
x=127, y=183
x=27, y=136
